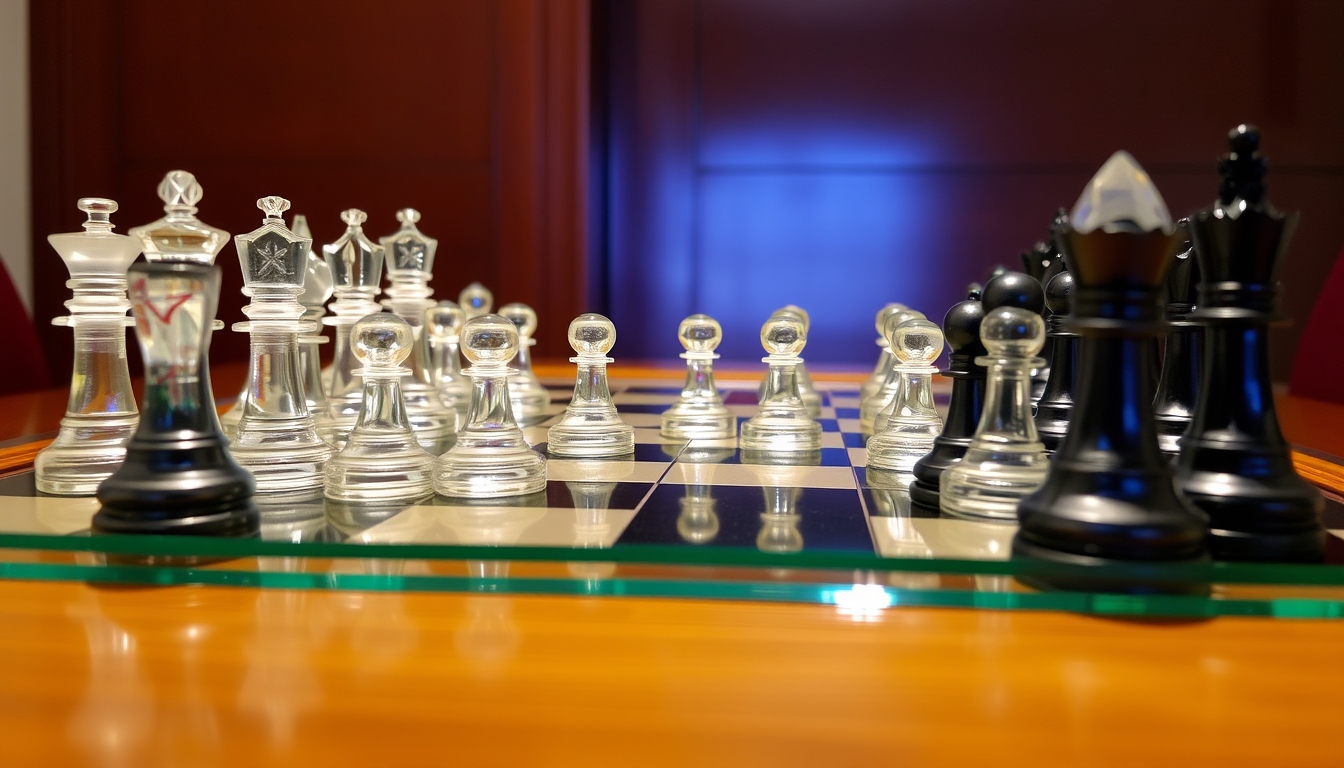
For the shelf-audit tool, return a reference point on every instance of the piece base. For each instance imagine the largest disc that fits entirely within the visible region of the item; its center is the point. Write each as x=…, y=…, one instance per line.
x=1137, y=582
x=489, y=473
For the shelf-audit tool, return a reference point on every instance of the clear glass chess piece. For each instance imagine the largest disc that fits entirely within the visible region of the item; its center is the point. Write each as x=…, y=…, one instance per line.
x=698, y=521
x=1120, y=192
x=382, y=461
x=490, y=458
x=1005, y=461
x=317, y=288
x=277, y=437
x=884, y=361
x=806, y=390
x=410, y=255
x=178, y=476
x=476, y=300
x=529, y=397
x=780, y=518
x=100, y=415
x=443, y=325
x=699, y=413
x=782, y=424
x=591, y=427
x=357, y=269
x=871, y=408
x=912, y=422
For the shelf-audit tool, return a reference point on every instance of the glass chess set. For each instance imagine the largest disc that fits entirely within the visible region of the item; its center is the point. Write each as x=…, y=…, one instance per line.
x=398, y=468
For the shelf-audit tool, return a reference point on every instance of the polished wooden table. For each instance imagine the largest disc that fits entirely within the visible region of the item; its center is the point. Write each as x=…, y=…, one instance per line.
x=202, y=676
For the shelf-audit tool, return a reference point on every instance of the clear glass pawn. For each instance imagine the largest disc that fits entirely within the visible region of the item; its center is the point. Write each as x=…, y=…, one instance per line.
x=410, y=255
x=699, y=413
x=872, y=408
x=782, y=424
x=806, y=390
x=529, y=397
x=476, y=300
x=443, y=324
x=100, y=415
x=382, y=461
x=1005, y=461
x=357, y=270
x=912, y=422
x=490, y=458
x=591, y=427
x=277, y=437
x=884, y=361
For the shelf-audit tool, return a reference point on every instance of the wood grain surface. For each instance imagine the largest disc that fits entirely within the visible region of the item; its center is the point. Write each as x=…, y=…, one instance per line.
x=219, y=676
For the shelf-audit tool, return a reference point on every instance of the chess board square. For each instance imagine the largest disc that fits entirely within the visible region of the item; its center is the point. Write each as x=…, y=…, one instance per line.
x=756, y=475
x=47, y=515
x=892, y=503
x=659, y=453
x=633, y=408
x=854, y=439
x=626, y=399
x=846, y=402
x=829, y=425
x=675, y=391
x=858, y=457
x=501, y=526
x=727, y=516
x=741, y=397
x=847, y=412
x=832, y=440
x=601, y=470
x=849, y=425
x=942, y=537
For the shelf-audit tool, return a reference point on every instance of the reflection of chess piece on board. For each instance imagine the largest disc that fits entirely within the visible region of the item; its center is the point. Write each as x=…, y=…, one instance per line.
x=116, y=715
x=1108, y=495
x=280, y=683
x=782, y=424
x=1234, y=463
x=890, y=492
x=870, y=407
x=357, y=269
x=178, y=476
x=293, y=517
x=382, y=461
x=591, y=428
x=905, y=431
x=100, y=415
x=409, y=255
x=779, y=522
x=443, y=326
x=529, y=397
x=277, y=437
x=884, y=361
x=490, y=458
x=699, y=412
x=698, y=521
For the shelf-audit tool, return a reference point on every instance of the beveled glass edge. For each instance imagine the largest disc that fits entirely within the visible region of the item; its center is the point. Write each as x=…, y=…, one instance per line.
x=858, y=601
x=185, y=546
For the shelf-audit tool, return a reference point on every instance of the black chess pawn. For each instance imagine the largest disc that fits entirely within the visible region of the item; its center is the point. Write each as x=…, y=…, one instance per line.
x=1013, y=289
x=998, y=269
x=961, y=329
x=1178, y=386
x=1234, y=462
x=178, y=476
x=1056, y=401
x=1109, y=495
x=973, y=291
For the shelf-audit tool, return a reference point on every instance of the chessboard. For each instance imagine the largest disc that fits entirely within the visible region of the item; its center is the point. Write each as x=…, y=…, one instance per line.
x=697, y=495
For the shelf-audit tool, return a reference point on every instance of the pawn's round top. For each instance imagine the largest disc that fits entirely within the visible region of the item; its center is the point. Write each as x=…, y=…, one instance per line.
x=476, y=299
x=1013, y=289
x=523, y=316
x=801, y=313
x=273, y=206
x=179, y=189
x=783, y=334
x=444, y=320
x=917, y=341
x=1244, y=138
x=381, y=340
x=1012, y=332
x=1059, y=293
x=489, y=340
x=896, y=318
x=592, y=335
x=700, y=334
x=961, y=327
x=883, y=314
x=973, y=291
x=353, y=217
x=408, y=216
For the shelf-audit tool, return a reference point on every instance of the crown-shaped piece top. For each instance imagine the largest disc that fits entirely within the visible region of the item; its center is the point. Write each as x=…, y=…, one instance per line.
x=355, y=261
x=1120, y=198
x=179, y=235
x=317, y=284
x=273, y=255
x=1240, y=240
x=97, y=251
x=409, y=249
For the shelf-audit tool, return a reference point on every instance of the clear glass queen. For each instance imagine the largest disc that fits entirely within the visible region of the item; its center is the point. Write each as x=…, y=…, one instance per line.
x=100, y=415
x=277, y=437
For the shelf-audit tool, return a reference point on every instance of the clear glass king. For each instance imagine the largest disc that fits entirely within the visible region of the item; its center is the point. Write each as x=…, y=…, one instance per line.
x=357, y=269
x=100, y=415
x=699, y=413
x=591, y=427
x=277, y=437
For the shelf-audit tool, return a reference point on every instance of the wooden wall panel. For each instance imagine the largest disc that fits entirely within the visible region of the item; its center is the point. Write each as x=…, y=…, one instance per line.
x=443, y=106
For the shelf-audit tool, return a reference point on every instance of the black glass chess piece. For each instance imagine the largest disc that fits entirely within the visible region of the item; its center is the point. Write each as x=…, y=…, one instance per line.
x=961, y=328
x=1109, y=496
x=1056, y=401
x=1234, y=463
x=1178, y=385
x=178, y=476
